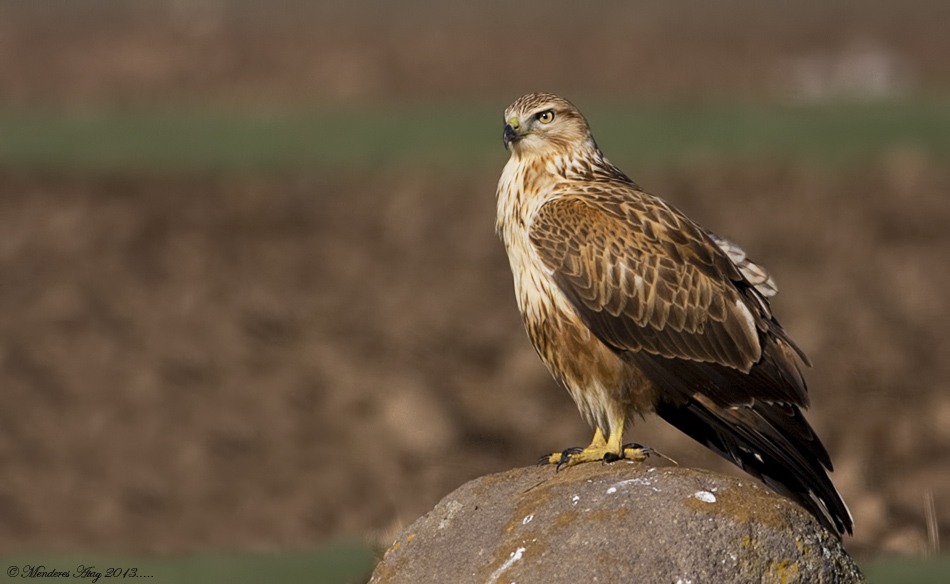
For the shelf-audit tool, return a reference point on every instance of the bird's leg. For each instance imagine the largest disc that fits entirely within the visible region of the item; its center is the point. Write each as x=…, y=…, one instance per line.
x=576, y=455
x=600, y=449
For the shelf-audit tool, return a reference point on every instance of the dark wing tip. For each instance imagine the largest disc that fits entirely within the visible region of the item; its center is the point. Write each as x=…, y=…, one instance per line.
x=785, y=455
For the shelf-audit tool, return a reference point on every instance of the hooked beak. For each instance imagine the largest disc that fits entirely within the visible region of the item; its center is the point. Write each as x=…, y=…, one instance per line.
x=512, y=133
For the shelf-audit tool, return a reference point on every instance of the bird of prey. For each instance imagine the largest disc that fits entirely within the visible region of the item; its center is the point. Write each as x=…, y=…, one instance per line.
x=634, y=308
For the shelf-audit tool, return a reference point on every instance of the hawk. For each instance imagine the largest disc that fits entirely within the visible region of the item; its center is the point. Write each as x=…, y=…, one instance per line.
x=634, y=308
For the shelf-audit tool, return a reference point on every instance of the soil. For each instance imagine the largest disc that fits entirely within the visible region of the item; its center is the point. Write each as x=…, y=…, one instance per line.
x=292, y=52
x=270, y=363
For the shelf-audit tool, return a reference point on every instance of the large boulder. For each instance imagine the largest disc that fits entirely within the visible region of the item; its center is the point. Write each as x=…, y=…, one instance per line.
x=617, y=523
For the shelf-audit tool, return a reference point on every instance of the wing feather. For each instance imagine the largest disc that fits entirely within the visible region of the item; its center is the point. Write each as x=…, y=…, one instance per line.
x=626, y=270
x=644, y=278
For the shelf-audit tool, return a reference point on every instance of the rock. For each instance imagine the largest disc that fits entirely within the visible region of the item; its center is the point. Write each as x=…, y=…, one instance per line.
x=623, y=522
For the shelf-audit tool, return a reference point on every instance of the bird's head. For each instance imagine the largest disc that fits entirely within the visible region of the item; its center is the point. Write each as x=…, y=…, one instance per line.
x=542, y=124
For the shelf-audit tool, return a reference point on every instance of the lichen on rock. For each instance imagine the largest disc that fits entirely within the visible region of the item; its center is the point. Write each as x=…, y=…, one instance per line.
x=623, y=522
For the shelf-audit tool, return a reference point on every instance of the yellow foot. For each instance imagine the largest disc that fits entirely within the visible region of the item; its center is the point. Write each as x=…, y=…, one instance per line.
x=599, y=452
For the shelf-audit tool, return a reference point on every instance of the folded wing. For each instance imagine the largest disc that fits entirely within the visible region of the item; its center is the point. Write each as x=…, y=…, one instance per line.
x=691, y=311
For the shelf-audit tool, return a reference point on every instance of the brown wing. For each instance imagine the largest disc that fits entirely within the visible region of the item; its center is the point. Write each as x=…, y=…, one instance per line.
x=670, y=300
x=647, y=281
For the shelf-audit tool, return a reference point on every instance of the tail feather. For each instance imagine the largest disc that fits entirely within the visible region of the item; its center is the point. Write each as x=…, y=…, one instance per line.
x=749, y=437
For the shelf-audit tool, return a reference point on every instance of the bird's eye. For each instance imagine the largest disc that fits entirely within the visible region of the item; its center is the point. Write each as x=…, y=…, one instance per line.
x=546, y=117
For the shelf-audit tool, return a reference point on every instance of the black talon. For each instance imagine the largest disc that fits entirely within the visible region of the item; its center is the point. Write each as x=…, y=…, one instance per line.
x=646, y=450
x=566, y=456
x=612, y=457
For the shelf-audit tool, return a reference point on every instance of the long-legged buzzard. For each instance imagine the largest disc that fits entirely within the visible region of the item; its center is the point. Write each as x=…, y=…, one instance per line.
x=634, y=308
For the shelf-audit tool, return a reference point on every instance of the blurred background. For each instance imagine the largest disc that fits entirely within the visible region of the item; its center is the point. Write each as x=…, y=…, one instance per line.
x=251, y=298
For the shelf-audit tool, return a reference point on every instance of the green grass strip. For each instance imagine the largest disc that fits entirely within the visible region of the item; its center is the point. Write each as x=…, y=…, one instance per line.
x=341, y=563
x=193, y=141
x=898, y=570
